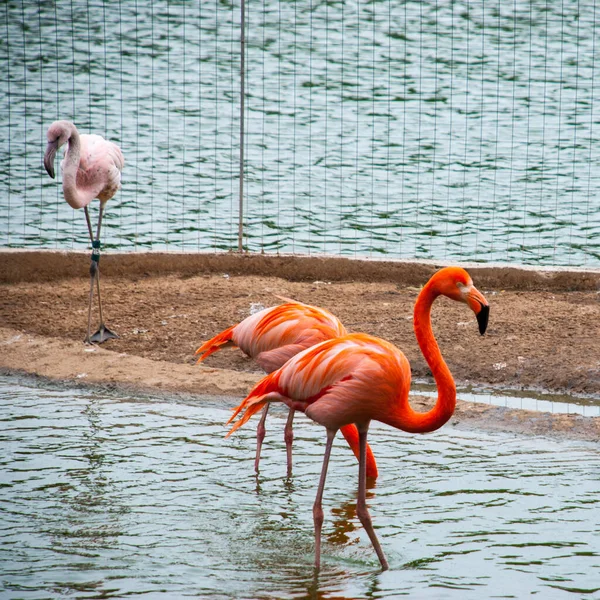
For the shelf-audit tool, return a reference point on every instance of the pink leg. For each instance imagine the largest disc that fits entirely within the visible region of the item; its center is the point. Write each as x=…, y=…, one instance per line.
x=288, y=436
x=361, y=506
x=260, y=435
x=317, y=506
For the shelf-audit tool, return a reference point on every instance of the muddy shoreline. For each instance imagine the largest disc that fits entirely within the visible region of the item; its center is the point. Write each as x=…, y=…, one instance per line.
x=545, y=336
x=27, y=355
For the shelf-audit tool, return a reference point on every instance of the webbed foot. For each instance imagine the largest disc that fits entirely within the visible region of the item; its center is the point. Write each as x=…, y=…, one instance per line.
x=102, y=335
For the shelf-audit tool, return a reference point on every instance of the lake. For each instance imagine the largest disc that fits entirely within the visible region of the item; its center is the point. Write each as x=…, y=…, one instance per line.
x=105, y=495
x=427, y=130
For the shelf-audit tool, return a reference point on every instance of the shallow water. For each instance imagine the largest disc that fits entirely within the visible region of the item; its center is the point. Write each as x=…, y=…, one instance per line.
x=440, y=130
x=109, y=496
x=523, y=400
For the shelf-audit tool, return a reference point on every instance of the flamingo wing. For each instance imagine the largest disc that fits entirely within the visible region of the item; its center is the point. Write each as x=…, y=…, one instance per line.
x=275, y=334
x=290, y=328
x=100, y=166
x=346, y=380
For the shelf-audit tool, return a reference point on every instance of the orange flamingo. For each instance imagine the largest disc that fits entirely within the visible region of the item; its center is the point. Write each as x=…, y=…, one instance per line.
x=357, y=378
x=91, y=169
x=271, y=337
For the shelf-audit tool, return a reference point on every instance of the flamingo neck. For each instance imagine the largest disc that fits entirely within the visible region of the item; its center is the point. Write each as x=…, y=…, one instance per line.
x=406, y=417
x=72, y=158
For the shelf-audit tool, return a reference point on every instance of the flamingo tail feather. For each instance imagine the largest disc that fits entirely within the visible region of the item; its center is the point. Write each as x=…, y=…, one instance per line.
x=264, y=391
x=250, y=410
x=219, y=341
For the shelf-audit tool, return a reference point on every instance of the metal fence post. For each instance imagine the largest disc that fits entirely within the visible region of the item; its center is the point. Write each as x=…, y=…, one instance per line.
x=242, y=91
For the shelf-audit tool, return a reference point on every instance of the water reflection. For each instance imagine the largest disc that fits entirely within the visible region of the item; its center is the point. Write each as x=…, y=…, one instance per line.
x=107, y=496
x=92, y=515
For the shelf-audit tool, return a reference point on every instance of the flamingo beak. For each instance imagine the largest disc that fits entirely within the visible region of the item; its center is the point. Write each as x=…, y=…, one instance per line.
x=482, y=318
x=479, y=305
x=49, y=156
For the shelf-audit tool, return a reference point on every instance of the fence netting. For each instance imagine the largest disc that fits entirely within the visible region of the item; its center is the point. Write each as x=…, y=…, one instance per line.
x=406, y=129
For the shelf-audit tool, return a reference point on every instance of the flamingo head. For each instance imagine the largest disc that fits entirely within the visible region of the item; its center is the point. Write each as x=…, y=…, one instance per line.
x=58, y=134
x=457, y=284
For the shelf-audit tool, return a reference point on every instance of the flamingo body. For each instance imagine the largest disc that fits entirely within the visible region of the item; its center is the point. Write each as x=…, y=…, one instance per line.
x=91, y=168
x=358, y=378
x=275, y=335
x=328, y=382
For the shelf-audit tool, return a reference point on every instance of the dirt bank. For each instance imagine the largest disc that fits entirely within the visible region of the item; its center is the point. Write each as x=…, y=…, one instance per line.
x=65, y=360
x=46, y=265
x=70, y=361
x=537, y=338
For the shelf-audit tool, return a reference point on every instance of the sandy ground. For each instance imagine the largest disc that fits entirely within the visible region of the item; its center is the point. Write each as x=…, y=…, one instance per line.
x=536, y=339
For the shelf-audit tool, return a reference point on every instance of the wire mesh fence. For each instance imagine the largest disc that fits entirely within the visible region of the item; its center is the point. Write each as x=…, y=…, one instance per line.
x=444, y=130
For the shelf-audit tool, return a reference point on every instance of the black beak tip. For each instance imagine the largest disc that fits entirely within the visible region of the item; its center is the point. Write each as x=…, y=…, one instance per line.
x=49, y=156
x=482, y=318
x=49, y=165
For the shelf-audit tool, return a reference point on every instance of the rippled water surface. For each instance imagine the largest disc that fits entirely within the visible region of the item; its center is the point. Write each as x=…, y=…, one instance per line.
x=109, y=496
x=539, y=402
x=414, y=129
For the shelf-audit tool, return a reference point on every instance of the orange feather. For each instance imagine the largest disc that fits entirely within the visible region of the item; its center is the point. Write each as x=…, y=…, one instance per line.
x=357, y=378
x=274, y=335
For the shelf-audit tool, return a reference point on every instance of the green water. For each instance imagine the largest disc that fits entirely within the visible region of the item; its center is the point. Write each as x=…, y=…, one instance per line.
x=109, y=496
x=428, y=130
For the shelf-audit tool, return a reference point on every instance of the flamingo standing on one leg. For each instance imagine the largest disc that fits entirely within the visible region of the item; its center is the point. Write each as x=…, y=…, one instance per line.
x=91, y=169
x=357, y=378
x=271, y=337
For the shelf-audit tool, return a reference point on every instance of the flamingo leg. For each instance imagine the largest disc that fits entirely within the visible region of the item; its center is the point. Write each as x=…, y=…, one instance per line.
x=260, y=435
x=288, y=436
x=93, y=266
x=318, y=505
x=361, y=506
x=103, y=332
x=89, y=321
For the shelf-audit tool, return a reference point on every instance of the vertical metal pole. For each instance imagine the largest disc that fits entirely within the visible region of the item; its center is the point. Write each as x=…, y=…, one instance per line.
x=242, y=93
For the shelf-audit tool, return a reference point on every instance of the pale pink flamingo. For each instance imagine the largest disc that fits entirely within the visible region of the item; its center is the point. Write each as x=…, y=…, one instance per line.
x=271, y=337
x=357, y=378
x=91, y=168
